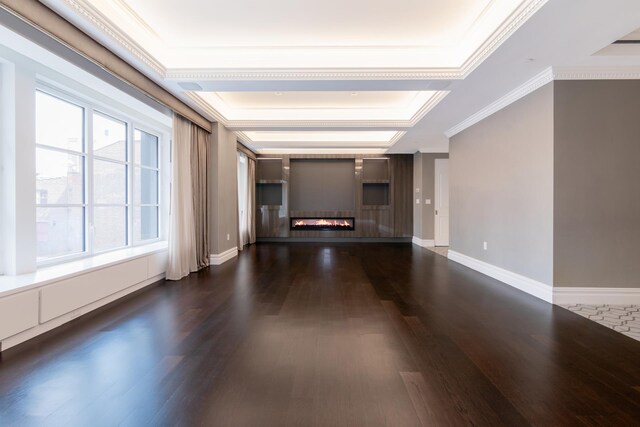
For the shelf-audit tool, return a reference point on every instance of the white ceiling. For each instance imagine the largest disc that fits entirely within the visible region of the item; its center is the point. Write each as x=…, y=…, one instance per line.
x=360, y=75
x=196, y=23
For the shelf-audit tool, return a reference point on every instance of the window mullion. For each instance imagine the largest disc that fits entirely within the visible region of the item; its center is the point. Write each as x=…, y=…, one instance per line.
x=89, y=180
x=130, y=182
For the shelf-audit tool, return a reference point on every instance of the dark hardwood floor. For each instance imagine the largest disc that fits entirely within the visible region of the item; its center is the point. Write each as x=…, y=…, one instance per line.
x=326, y=335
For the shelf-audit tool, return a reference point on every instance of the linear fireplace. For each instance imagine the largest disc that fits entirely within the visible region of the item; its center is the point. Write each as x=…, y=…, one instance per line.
x=323, y=224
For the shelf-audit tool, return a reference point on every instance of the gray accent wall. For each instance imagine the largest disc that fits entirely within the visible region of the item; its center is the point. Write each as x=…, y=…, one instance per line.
x=322, y=184
x=224, y=190
x=597, y=183
x=424, y=172
x=501, y=188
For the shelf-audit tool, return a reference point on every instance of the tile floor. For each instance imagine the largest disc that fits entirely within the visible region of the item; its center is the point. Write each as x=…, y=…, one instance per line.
x=622, y=318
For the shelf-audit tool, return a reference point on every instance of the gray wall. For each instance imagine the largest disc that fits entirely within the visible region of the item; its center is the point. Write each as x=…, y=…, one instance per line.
x=322, y=185
x=501, y=188
x=597, y=183
x=224, y=190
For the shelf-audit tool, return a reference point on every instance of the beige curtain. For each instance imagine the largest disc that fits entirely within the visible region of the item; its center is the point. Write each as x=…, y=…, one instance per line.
x=246, y=200
x=182, y=249
x=200, y=187
x=188, y=221
x=251, y=199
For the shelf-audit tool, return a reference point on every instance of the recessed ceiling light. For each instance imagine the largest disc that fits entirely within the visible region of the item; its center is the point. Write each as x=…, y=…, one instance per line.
x=278, y=93
x=354, y=93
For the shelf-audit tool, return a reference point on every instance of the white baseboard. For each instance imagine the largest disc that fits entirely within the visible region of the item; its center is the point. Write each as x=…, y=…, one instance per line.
x=423, y=243
x=221, y=258
x=525, y=284
x=59, y=321
x=596, y=296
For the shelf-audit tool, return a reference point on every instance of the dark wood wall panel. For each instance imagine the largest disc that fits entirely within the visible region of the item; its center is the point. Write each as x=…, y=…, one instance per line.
x=377, y=221
x=402, y=194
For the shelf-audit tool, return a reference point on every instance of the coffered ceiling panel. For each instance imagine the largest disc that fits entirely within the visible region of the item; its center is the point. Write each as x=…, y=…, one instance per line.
x=318, y=109
x=247, y=23
x=302, y=75
x=274, y=39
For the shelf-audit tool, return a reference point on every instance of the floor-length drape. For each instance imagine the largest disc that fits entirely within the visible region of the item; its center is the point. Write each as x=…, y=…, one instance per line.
x=243, y=231
x=200, y=190
x=251, y=199
x=182, y=248
x=246, y=200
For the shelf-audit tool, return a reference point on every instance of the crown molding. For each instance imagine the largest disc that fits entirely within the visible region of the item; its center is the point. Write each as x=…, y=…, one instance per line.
x=314, y=74
x=262, y=124
x=510, y=26
x=242, y=137
x=321, y=150
x=92, y=15
x=596, y=73
x=428, y=106
x=252, y=124
x=521, y=91
x=206, y=108
x=546, y=76
x=246, y=139
x=397, y=137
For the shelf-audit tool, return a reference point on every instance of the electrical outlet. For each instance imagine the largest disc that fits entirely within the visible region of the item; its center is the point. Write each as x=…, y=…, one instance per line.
x=417, y=189
x=484, y=245
x=228, y=237
x=427, y=201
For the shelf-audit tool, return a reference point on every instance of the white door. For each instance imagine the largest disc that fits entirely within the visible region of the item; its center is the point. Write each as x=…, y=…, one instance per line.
x=442, y=202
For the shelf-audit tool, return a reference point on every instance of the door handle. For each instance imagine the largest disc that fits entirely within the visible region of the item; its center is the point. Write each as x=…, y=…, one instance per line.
x=436, y=212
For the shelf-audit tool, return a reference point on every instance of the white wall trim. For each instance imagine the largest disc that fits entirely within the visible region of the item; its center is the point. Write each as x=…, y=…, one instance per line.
x=521, y=91
x=59, y=321
x=425, y=243
x=221, y=258
x=596, y=296
x=525, y=284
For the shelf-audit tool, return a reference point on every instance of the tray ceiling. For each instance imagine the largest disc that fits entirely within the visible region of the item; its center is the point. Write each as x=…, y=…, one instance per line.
x=330, y=69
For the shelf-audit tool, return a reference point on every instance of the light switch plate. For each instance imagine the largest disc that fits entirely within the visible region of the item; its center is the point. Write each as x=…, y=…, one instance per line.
x=417, y=201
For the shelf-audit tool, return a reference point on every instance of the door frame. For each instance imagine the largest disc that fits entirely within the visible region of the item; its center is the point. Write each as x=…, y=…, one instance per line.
x=435, y=200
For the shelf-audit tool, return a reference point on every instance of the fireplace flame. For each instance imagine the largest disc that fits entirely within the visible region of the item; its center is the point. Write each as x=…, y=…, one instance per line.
x=322, y=223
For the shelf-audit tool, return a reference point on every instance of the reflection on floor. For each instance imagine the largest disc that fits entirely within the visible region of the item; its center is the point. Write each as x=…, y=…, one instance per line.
x=440, y=250
x=621, y=318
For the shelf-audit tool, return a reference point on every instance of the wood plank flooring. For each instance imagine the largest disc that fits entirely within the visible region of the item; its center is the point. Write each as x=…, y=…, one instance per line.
x=326, y=335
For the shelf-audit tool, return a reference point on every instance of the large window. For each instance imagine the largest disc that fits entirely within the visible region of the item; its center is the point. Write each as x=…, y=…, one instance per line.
x=60, y=177
x=98, y=179
x=146, y=204
x=110, y=170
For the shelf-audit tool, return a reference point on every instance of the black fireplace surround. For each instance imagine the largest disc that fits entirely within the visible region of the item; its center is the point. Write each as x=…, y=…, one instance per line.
x=323, y=224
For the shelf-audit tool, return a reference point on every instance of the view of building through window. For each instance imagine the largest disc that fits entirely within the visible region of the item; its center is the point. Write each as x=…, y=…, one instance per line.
x=146, y=179
x=96, y=195
x=60, y=177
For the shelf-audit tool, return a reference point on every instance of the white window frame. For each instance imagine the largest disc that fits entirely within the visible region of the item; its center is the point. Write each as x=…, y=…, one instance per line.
x=143, y=128
x=111, y=111
x=127, y=163
x=86, y=170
